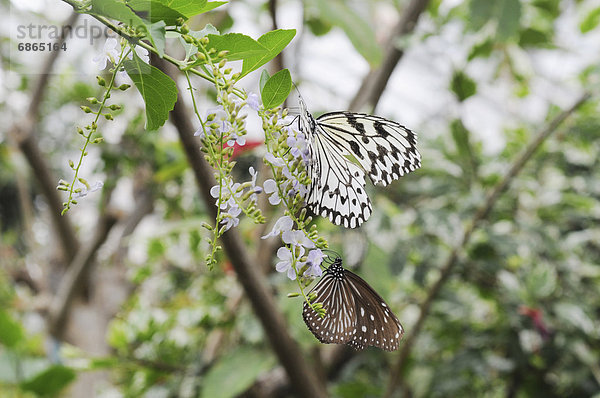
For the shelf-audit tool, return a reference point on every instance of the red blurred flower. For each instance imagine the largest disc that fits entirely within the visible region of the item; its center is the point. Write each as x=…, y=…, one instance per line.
x=536, y=316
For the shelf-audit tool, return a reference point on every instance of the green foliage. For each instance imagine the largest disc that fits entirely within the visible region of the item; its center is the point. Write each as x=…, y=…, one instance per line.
x=359, y=32
x=50, y=382
x=11, y=332
x=462, y=85
x=274, y=41
x=276, y=89
x=518, y=315
x=235, y=372
x=115, y=9
x=591, y=21
x=157, y=90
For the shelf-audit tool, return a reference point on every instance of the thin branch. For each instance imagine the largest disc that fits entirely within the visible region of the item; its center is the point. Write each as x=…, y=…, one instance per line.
x=71, y=282
x=23, y=134
x=480, y=215
x=374, y=83
x=304, y=381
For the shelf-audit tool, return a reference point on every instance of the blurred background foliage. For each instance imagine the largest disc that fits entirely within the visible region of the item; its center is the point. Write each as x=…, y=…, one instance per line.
x=517, y=318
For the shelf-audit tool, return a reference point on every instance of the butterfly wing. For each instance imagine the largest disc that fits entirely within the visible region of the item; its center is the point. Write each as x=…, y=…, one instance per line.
x=337, y=188
x=386, y=150
x=376, y=325
x=356, y=315
x=339, y=322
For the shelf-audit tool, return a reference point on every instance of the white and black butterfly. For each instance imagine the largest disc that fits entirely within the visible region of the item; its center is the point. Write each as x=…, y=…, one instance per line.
x=355, y=314
x=342, y=147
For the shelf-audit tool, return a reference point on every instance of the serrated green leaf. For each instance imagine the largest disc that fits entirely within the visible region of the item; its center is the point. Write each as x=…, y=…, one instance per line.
x=51, y=381
x=274, y=41
x=114, y=9
x=11, y=331
x=462, y=85
x=239, y=45
x=264, y=77
x=590, y=21
x=276, y=89
x=235, y=372
x=157, y=89
x=358, y=31
x=155, y=11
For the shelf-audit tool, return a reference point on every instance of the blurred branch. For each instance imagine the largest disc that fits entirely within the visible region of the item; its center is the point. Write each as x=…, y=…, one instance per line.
x=304, y=381
x=376, y=80
x=480, y=215
x=76, y=273
x=278, y=61
x=23, y=134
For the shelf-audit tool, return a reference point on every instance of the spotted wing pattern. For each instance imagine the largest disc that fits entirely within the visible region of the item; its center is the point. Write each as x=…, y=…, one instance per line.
x=355, y=314
x=342, y=147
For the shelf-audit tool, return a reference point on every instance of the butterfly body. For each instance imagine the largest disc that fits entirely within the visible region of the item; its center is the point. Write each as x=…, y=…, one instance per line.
x=343, y=146
x=355, y=314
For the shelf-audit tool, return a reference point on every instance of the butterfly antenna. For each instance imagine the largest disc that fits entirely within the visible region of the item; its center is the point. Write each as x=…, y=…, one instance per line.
x=331, y=259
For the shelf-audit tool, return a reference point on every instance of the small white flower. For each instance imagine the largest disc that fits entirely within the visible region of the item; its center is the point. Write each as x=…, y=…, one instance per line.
x=110, y=52
x=297, y=238
x=84, y=192
x=277, y=162
x=270, y=187
x=231, y=217
x=142, y=53
x=285, y=265
x=234, y=138
x=284, y=223
x=253, y=101
x=314, y=259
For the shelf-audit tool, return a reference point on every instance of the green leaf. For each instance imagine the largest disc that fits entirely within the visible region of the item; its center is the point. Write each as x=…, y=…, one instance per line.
x=482, y=49
x=506, y=13
x=480, y=12
x=359, y=32
x=155, y=11
x=234, y=373
x=239, y=45
x=51, y=381
x=158, y=91
x=531, y=37
x=192, y=8
x=541, y=280
x=116, y=10
x=11, y=331
x=264, y=77
x=509, y=18
x=276, y=89
x=156, y=33
x=317, y=25
x=466, y=157
x=274, y=41
x=590, y=21
x=462, y=85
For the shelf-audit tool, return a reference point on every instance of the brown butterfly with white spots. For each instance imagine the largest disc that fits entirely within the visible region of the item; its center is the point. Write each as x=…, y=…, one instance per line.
x=355, y=314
